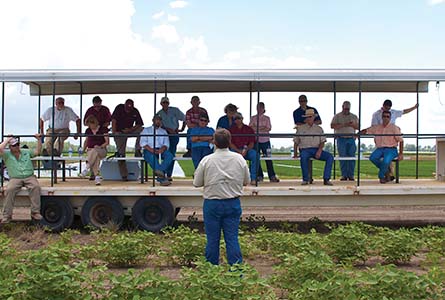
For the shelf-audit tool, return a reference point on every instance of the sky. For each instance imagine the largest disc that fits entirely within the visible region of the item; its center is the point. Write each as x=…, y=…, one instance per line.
x=165, y=34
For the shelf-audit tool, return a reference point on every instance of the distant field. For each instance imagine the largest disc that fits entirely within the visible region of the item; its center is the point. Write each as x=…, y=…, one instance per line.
x=291, y=169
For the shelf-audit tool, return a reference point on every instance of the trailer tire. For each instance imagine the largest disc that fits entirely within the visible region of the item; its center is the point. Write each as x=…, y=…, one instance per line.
x=102, y=212
x=152, y=214
x=57, y=213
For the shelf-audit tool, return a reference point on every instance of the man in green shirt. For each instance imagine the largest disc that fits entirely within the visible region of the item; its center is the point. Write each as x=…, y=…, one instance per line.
x=21, y=173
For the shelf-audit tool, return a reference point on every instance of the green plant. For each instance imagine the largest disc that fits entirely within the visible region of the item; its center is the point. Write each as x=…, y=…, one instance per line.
x=138, y=285
x=396, y=246
x=348, y=244
x=185, y=245
x=49, y=274
x=295, y=270
x=211, y=282
x=123, y=250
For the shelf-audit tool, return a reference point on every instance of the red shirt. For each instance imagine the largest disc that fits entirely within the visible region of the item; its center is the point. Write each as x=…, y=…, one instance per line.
x=98, y=138
x=192, y=115
x=241, y=141
x=103, y=115
x=124, y=119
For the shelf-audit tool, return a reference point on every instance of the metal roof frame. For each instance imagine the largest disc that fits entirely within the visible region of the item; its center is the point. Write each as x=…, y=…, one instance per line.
x=68, y=82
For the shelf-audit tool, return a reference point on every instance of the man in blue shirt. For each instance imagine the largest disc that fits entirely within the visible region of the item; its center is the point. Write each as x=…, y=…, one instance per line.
x=201, y=135
x=299, y=113
x=170, y=122
x=155, y=142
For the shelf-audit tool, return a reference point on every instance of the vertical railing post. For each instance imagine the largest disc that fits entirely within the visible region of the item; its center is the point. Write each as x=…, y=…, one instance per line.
x=417, y=131
x=335, y=111
x=359, y=128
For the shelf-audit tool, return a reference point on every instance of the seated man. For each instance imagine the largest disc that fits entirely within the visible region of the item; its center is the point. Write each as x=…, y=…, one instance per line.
x=311, y=146
x=62, y=117
x=21, y=173
x=153, y=147
x=201, y=137
x=243, y=141
x=386, y=146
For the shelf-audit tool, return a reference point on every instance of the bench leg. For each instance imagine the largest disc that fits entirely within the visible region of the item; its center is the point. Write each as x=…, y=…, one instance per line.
x=397, y=171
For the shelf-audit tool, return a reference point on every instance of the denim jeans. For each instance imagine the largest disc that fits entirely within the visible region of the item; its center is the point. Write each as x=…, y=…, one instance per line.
x=307, y=153
x=153, y=160
x=262, y=147
x=254, y=159
x=222, y=215
x=199, y=153
x=189, y=139
x=382, y=157
x=174, y=140
x=347, y=148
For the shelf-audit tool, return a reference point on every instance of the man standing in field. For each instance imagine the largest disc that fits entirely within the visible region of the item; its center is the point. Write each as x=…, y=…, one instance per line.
x=223, y=175
x=386, y=145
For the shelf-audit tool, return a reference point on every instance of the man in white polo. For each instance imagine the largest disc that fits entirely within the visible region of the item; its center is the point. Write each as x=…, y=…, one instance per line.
x=62, y=117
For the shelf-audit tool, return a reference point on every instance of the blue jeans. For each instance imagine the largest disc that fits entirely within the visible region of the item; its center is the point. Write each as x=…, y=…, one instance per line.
x=222, y=214
x=253, y=157
x=189, y=139
x=198, y=153
x=262, y=147
x=153, y=160
x=382, y=157
x=347, y=148
x=307, y=153
x=174, y=140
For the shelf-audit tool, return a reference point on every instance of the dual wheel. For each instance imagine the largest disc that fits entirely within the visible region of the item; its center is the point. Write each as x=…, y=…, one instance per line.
x=148, y=213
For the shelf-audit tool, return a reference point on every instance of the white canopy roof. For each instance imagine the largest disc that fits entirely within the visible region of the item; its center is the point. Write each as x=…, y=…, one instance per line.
x=194, y=81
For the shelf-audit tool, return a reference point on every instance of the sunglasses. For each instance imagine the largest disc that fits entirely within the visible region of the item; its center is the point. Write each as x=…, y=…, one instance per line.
x=204, y=120
x=386, y=117
x=16, y=145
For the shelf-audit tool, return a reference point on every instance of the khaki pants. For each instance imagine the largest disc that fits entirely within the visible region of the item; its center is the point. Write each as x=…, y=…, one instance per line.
x=58, y=141
x=94, y=156
x=121, y=145
x=14, y=186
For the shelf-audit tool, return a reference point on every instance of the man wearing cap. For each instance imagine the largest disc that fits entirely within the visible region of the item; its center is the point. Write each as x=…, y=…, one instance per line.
x=170, y=121
x=345, y=124
x=192, y=119
x=387, y=104
x=243, y=142
x=21, y=173
x=154, y=146
x=386, y=145
x=126, y=120
x=299, y=118
x=101, y=112
x=310, y=141
x=62, y=117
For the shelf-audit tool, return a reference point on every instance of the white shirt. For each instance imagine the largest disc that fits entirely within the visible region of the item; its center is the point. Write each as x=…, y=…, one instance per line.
x=161, y=138
x=222, y=174
x=377, y=116
x=62, y=117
